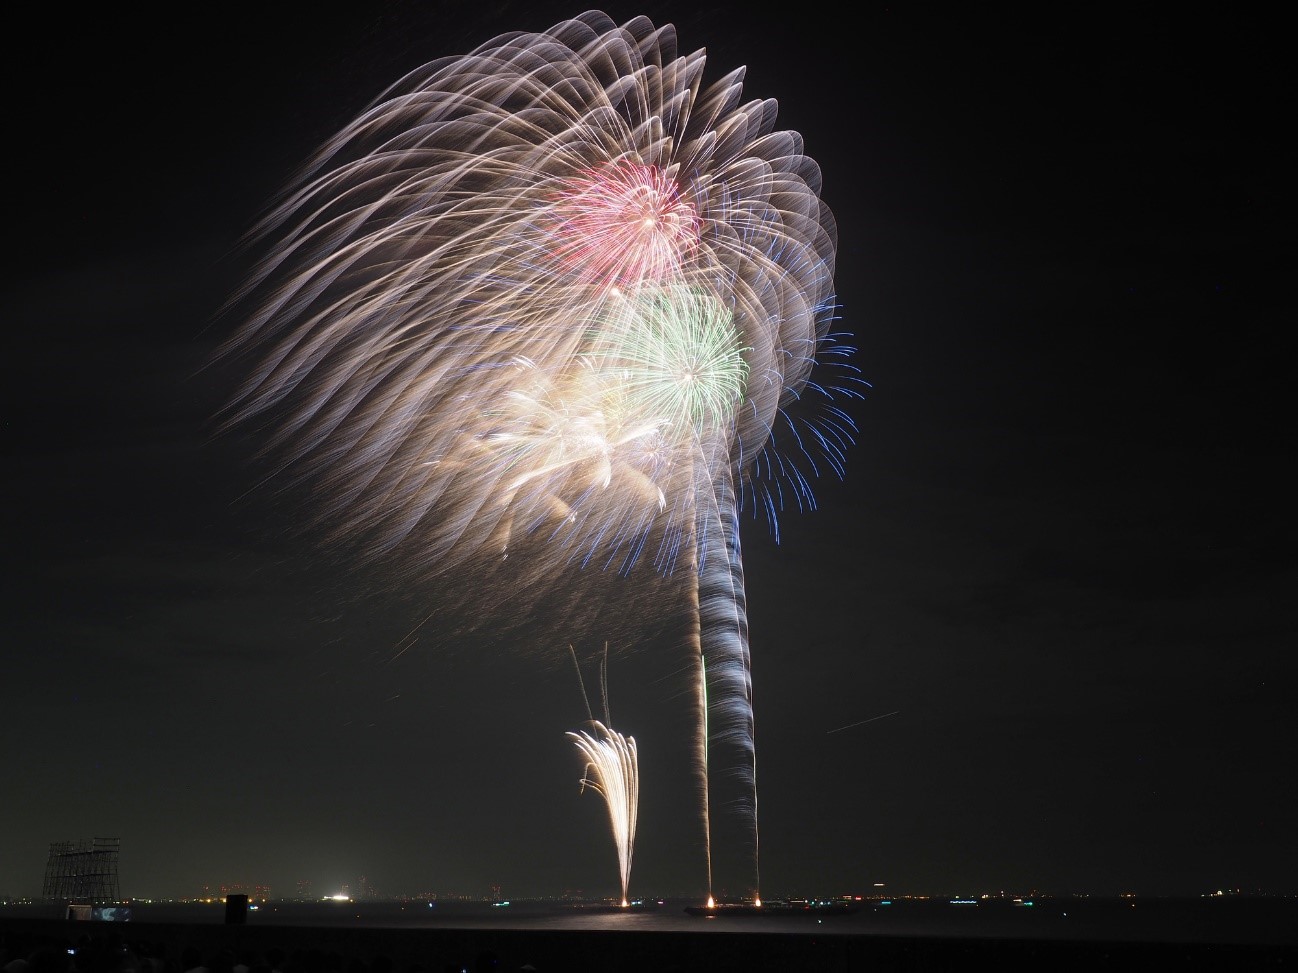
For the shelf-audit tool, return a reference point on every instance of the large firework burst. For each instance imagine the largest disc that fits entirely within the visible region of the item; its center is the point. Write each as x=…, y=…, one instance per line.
x=558, y=288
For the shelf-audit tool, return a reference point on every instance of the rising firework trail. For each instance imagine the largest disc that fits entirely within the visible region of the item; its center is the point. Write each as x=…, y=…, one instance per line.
x=560, y=295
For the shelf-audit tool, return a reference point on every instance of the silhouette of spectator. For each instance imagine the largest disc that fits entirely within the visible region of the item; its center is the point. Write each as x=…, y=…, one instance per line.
x=50, y=959
x=191, y=960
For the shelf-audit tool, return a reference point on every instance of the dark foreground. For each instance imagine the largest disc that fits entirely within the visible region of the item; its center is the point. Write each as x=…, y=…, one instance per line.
x=153, y=947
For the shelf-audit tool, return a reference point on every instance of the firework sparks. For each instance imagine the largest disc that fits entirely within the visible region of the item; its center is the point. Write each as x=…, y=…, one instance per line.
x=623, y=224
x=492, y=208
x=612, y=771
x=676, y=355
x=559, y=289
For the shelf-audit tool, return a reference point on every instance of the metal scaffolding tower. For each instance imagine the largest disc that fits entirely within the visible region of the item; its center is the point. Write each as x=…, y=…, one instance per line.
x=82, y=871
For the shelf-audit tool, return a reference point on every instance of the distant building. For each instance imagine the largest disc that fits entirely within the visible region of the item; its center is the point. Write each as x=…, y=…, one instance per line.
x=254, y=891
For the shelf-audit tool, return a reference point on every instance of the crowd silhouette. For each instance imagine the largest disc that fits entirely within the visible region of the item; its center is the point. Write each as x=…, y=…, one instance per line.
x=113, y=952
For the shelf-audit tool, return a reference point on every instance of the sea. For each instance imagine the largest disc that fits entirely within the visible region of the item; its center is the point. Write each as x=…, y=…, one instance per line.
x=1074, y=935
x=1209, y=919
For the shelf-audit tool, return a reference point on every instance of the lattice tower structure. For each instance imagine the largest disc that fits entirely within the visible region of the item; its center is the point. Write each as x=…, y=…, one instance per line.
x=83, y=871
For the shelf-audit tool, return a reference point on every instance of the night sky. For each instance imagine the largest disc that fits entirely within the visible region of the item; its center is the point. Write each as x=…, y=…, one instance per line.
x=1061, y=559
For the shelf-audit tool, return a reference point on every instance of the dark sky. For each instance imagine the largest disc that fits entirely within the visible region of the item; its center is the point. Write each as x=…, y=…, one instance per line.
x=1062, y=557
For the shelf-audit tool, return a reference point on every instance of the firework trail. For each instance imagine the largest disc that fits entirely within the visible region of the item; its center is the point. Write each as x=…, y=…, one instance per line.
x=612, y=770
x=723, y=617
x=554, y=296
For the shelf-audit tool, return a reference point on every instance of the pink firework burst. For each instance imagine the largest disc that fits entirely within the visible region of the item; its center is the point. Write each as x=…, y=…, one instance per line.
x=623, y=224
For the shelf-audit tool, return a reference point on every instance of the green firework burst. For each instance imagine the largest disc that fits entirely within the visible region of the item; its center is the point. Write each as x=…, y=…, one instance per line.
x=676, y=358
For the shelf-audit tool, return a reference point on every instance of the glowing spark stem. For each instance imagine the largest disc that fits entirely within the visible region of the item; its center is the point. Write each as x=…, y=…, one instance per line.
x=701, y=722
x=724, y=627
